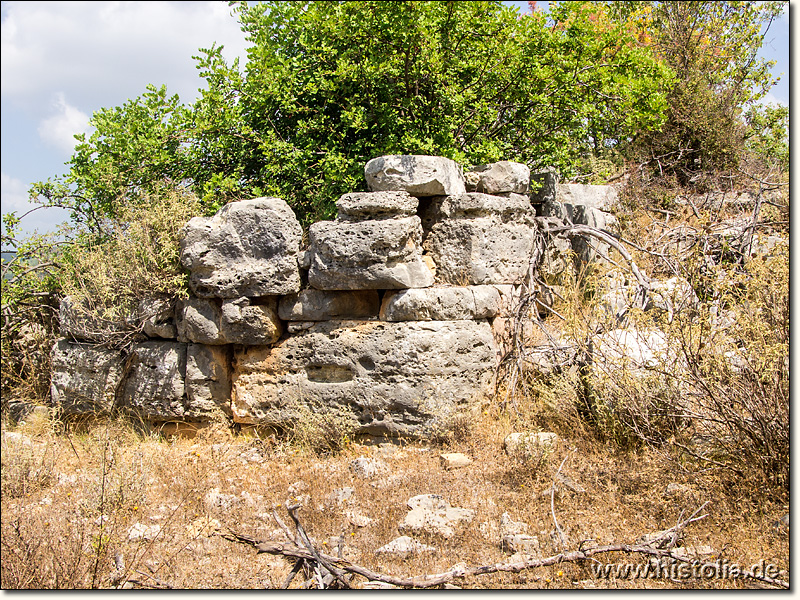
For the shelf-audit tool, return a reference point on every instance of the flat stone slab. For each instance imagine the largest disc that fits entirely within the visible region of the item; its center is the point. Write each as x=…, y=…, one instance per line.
x=385, y=378
x=249, y=248
x=501, y=177
x=384, y=254
x=361, y=206
x=442, y=303
x=324, y=305
x=416, y=174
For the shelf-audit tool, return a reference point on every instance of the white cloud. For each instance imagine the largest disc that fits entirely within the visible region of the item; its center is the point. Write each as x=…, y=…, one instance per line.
x=102, y=53
x=13, y=194
x=59, y=129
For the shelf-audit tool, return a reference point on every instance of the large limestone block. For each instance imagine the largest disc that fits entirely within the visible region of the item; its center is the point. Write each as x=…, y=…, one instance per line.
x=157, y=316
x=386, y=378
x=77, y=323
x=442, y=303
x=322, y=305
x=556, y=264
x=588, y=248
x=418, y=175
x=85, y=377
x=247, y=321
x=154, y=386
x=602, y=197
x=381, y=254
x=208, y=379
x=502, y=177
x=479, y=239
x=360, y=206
x=249, y=248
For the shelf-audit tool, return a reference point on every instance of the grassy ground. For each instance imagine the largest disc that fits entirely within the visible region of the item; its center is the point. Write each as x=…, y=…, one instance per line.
x=70, y=499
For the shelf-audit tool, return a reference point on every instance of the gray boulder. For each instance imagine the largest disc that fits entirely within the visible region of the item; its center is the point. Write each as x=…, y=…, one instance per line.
x=245, y=321
x=418, y=175
x=84, y=378
x=479, y=239
x=385, y=378
x=602, y=197
x=498, y=178
x=442, y=304
x=154, y=385
x=383, y=254
x=360, y=206
x=157, y=316
x=432, y=514
x=249, y=248
x=321, y=305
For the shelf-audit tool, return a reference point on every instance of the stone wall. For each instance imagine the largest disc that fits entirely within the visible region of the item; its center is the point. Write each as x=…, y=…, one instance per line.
x=392, y=317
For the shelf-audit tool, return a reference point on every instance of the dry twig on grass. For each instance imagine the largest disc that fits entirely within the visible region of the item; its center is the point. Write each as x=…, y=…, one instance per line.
x=325, y=566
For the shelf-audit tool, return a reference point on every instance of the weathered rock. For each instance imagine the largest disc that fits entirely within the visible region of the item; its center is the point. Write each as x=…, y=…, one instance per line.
x=603, y=197
x=250, y=322
x=78, y=324
x=141, y=532
x=208, y=379
x=85, y=378
x=322, y=305
x=249, y=248
x=521, y=445
x=404, y=547
x=361, y=206
x=366, y=468
x=521, y=543
x=556, y=264
x=500, y=178
x=388, y=378
x=382, y=254
x=479, y=239
x=546, y=183
x=630, y=350
x=418, y=175
x=672, y=296
x=587, y=248
x=555, y=210
x=244, y=321
x=442, y=304
x=510, y=527
x=157, y=316
x=454, y=460
x=431, y=513
x=154, y=385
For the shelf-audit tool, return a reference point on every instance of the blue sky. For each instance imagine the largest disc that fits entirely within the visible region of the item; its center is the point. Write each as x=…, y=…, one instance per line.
x=61, y=61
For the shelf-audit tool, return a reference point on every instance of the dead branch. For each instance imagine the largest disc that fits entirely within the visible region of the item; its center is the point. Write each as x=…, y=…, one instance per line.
x=291, y=550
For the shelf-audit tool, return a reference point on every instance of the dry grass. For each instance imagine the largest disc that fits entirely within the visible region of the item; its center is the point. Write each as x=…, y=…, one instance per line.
x=70, y=499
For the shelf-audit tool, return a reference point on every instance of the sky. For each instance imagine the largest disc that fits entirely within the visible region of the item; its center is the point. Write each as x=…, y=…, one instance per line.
x=61, y=61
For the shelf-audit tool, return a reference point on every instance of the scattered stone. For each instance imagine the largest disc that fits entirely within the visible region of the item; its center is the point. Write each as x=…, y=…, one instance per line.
x=248, y=249
x=404, y=547
x=433, y=514
x=521, y=543
x=214, y=500
x=204, y=526
x=676, y=489
x=520, y=444
x=366, y=468
x=141, y=532
x=297, y=487
x=418, y=175
x=320, y=305
x=499, y=178
x=357, y=519
x=509, y=527
x=339, y=496
x=694, y=551
x=454, y=460
x=570, y=483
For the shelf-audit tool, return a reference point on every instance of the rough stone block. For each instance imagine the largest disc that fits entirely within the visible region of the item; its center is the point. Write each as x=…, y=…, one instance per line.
x=247, y=321
x=249, y=248
x=502, y=177
x=602, y=197
x=441, y=304
x=157, y=316
x=208, y=379
x=479, y=239
x=418, y=175
x=322, y=305
x=387, y=378
x=361, y=206
x=154, y=384
x=85, y=377
x=382, y=254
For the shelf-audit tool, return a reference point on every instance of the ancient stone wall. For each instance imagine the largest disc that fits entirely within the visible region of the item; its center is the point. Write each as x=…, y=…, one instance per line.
x=393, y=317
